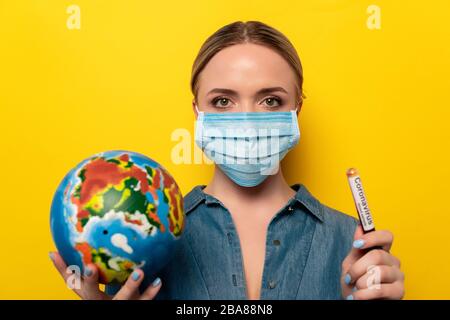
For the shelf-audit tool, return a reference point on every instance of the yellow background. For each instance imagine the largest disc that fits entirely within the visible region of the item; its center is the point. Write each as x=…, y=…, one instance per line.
x=377, y=100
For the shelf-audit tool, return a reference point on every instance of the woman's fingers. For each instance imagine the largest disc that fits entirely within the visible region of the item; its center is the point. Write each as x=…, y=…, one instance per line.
x=355, y=254
x=374, y=274
x=85, y=287
x=130, y=289
x=384, y=291
x=372, y=258
x=90, y=289
x=152, y=290
x=379, y=274
x=61, y=266
x=381, y=238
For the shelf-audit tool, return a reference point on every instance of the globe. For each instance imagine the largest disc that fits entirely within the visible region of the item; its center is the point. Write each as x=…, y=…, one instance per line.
x=119, y=210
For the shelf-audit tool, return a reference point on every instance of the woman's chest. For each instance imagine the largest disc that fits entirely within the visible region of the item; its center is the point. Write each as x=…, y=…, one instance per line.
x=251, y=232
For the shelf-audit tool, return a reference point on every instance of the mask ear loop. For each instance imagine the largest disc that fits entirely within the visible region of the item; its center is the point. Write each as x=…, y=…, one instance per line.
x=199, y=127
x=199, y=113
x=295, y=125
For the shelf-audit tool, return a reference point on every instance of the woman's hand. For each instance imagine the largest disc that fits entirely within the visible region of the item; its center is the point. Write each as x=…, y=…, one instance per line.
x=372, y=274
x=89, y=289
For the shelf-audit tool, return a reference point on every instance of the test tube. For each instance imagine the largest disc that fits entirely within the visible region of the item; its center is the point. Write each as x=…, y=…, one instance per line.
x=359, y=197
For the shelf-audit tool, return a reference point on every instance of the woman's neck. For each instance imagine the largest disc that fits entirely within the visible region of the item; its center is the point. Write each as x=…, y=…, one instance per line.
x=273, y=189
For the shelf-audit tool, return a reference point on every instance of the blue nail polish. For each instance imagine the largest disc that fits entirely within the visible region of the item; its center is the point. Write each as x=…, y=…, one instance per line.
x=347, y=279
x=135, y=275
x=358, y=243
x=349, y=297
x=87, y=272
x=354, y=289
x=156, y=282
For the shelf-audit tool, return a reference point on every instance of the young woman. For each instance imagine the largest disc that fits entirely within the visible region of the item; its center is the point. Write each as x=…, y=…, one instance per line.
x=248, y=234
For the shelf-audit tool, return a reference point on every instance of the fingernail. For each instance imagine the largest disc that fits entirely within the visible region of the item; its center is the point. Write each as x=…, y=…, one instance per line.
x=87, y=272
x=358, y=243
x=349, y=297
x=51, y=255
x=347, y=279
x=156, y=282
x=354, y=289
x=135, y=275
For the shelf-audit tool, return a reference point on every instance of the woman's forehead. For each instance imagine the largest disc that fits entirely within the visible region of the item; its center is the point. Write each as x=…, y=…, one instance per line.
x=248, y=66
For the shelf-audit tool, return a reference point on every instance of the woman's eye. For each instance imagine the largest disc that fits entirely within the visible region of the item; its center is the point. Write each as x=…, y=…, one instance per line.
x=221, y=102
x=272, y=102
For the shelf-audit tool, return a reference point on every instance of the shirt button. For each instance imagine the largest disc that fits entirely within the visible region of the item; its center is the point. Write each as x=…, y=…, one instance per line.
x=230, y=240
x=276, y=242
x=272, y=284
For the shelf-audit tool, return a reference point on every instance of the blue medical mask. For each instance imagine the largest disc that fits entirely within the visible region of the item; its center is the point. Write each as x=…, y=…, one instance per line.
x=247, y=146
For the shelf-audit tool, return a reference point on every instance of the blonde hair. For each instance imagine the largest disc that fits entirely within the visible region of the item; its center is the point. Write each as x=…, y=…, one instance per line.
x=248, y=32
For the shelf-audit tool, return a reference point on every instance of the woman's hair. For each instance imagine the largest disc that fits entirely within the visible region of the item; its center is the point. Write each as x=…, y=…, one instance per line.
x=248, y=32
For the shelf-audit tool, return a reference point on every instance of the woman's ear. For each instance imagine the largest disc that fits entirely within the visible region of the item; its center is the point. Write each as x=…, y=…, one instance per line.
x=299, y=107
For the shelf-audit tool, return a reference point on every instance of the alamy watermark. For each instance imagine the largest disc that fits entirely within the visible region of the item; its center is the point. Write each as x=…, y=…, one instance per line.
x=241, y=146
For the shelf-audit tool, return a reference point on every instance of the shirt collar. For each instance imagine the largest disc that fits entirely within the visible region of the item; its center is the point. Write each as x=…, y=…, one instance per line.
x=195, y=197
x=302, y=197
x=306, y=199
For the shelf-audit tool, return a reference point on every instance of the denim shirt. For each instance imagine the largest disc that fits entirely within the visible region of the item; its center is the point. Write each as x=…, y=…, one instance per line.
x=306, y=243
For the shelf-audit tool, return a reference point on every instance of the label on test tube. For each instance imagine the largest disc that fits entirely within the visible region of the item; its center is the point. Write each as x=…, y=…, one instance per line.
x=360, y=200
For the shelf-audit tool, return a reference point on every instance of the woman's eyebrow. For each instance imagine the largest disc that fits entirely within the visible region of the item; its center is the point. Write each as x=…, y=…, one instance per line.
x=224, y=91
x=232, y=92
x=271, y=89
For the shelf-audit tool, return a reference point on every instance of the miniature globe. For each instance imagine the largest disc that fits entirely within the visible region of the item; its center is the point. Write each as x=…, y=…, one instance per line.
x=119, y=210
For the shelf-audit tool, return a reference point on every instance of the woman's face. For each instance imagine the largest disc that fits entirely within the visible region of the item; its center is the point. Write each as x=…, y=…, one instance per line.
x=246, y=78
